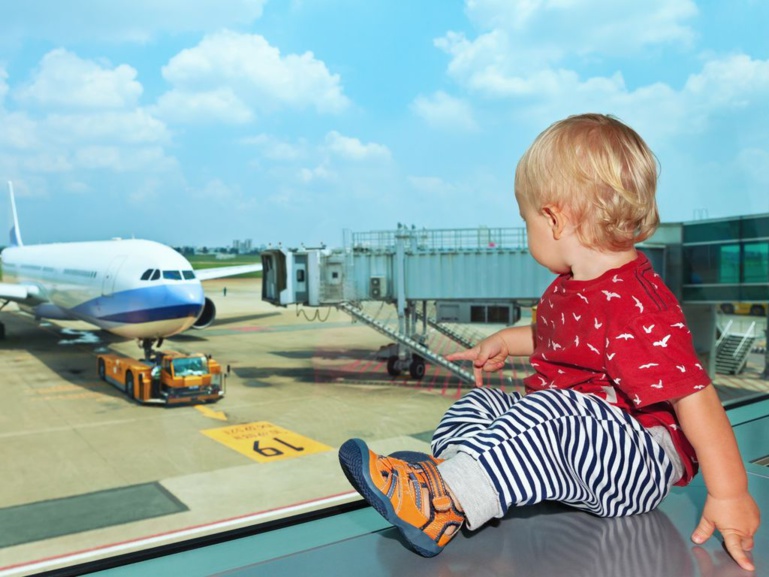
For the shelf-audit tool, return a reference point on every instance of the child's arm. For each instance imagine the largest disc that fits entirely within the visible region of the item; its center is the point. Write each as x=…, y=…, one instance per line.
x=491, y=353
x=728, y=506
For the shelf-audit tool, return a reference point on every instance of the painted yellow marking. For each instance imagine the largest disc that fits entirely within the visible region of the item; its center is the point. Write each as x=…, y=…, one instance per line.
x=265, y=442
x=211, y=414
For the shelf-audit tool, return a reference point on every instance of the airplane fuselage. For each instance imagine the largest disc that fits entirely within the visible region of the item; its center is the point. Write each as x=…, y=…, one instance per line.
x=134, y=288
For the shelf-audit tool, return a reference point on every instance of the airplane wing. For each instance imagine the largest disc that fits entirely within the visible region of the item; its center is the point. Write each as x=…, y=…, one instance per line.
x=223, y=271
x=19, y=293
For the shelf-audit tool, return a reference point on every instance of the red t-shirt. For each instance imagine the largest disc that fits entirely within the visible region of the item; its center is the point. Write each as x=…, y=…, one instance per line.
x=622, y=337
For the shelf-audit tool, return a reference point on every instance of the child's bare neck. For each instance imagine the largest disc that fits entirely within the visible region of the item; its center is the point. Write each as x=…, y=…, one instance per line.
x=591, y=263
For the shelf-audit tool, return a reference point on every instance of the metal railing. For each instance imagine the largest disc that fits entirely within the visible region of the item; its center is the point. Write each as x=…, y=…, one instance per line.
x=441, y=239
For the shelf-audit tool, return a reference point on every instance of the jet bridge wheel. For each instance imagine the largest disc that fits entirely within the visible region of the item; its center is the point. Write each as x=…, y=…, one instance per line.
x=392, y=366
x=417, y=367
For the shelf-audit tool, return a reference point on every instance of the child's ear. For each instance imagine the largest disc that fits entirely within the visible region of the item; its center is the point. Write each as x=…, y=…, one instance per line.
x=556, y=218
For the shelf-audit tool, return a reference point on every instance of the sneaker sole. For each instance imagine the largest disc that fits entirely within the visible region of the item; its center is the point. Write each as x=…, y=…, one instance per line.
x=355, y=460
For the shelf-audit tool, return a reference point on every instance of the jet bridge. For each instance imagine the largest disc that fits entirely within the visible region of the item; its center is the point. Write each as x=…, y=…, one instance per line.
x=408, y=267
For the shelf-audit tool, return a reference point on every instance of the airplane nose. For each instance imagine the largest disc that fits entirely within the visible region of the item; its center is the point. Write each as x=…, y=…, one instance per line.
x=187, y=299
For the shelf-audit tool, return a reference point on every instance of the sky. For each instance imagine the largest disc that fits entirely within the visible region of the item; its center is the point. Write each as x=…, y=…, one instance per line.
x=198, y=122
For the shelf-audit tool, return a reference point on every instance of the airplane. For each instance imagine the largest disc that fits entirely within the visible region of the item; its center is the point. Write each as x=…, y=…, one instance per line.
x=137, y=289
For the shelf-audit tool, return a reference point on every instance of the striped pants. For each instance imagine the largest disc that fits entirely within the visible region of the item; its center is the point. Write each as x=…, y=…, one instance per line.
x=553, y=445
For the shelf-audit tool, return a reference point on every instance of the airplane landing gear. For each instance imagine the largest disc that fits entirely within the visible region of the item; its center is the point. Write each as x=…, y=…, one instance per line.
x=148, y=345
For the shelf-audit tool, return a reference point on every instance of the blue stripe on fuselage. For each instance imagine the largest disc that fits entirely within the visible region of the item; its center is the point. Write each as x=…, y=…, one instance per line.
x=153, y=303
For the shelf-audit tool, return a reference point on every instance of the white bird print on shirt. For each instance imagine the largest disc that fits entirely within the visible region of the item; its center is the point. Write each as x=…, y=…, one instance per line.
x=663, y=343
x=678, y=325
x=610, y=295
x=543, y=379
x=555, y=346
x=648, y=366
x=647, y=330
x=681, y=368
x=657, y=385
x=542, y=319
x=611, y=356
x=699, y=366
x=583, y=297
x=673, y=426
x=615, y=278
x=592, y=348
x=533, y=364
x=576, y=316
x=637, y=400
x=639, y=305
x=576, y=341
x=698, y=387
x=625, y=336
x=563, y=319
x=596, y=324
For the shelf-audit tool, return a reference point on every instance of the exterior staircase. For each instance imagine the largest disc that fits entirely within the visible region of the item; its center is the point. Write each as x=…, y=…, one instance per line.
x=732, y=350
x=416, y=348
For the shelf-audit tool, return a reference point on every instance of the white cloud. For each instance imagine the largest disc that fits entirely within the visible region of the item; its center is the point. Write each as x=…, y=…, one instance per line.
x=64, y=80
x=320, y=172
x=128, y=127
x=122, y=20
x=444, y=111
x=431, y=185
x=275, y=148
x=256, y=75
x=352, y=148
x=733, y=81
x=3, y=84
x=18, y=132
x=123, y=159
x=526, y=44
x=219, y=105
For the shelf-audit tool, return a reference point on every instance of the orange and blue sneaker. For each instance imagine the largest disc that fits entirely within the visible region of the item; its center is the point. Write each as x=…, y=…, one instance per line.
x=410, y=494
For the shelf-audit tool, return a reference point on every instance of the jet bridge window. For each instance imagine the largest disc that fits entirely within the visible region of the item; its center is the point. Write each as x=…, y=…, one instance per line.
x=172, y=275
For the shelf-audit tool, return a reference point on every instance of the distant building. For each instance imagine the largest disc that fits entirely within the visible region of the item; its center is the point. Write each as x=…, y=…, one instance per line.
x=242, y=246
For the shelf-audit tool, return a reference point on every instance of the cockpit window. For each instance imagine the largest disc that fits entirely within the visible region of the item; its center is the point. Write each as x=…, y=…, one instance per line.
x=172, y=275
x=147, y=274
x=188, y=274
x=155, y=275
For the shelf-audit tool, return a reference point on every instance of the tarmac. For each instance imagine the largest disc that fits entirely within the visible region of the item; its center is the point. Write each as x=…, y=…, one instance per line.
x=88, y=471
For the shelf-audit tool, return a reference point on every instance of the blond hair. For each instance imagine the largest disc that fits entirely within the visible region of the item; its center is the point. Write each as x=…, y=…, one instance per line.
x=599, y=170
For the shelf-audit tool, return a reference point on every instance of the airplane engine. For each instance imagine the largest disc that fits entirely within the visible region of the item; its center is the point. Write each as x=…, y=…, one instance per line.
x=207, y=316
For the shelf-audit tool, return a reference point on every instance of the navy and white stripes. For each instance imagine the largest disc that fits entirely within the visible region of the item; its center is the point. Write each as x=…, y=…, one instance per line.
x=558, y=445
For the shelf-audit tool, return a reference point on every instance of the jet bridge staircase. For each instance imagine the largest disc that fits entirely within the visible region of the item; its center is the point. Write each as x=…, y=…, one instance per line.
x=419, y=352
x=405, y=267
x=732, y=349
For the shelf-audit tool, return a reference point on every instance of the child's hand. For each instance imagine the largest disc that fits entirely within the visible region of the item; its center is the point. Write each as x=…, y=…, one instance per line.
x=489, y=355
x=737, y=520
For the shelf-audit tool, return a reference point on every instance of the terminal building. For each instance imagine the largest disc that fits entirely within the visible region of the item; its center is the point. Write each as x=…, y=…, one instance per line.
x=487, y=275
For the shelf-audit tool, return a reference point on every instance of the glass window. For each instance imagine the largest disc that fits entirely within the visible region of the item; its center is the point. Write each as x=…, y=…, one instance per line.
x=728, y=263
x=756, y=262
x=172, y=275
x=147, y=274
x=190, y=366
x=188, y=274
x=155, y=274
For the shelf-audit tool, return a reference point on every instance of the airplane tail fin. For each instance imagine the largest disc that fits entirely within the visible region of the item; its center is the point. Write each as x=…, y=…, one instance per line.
x=15, y=233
